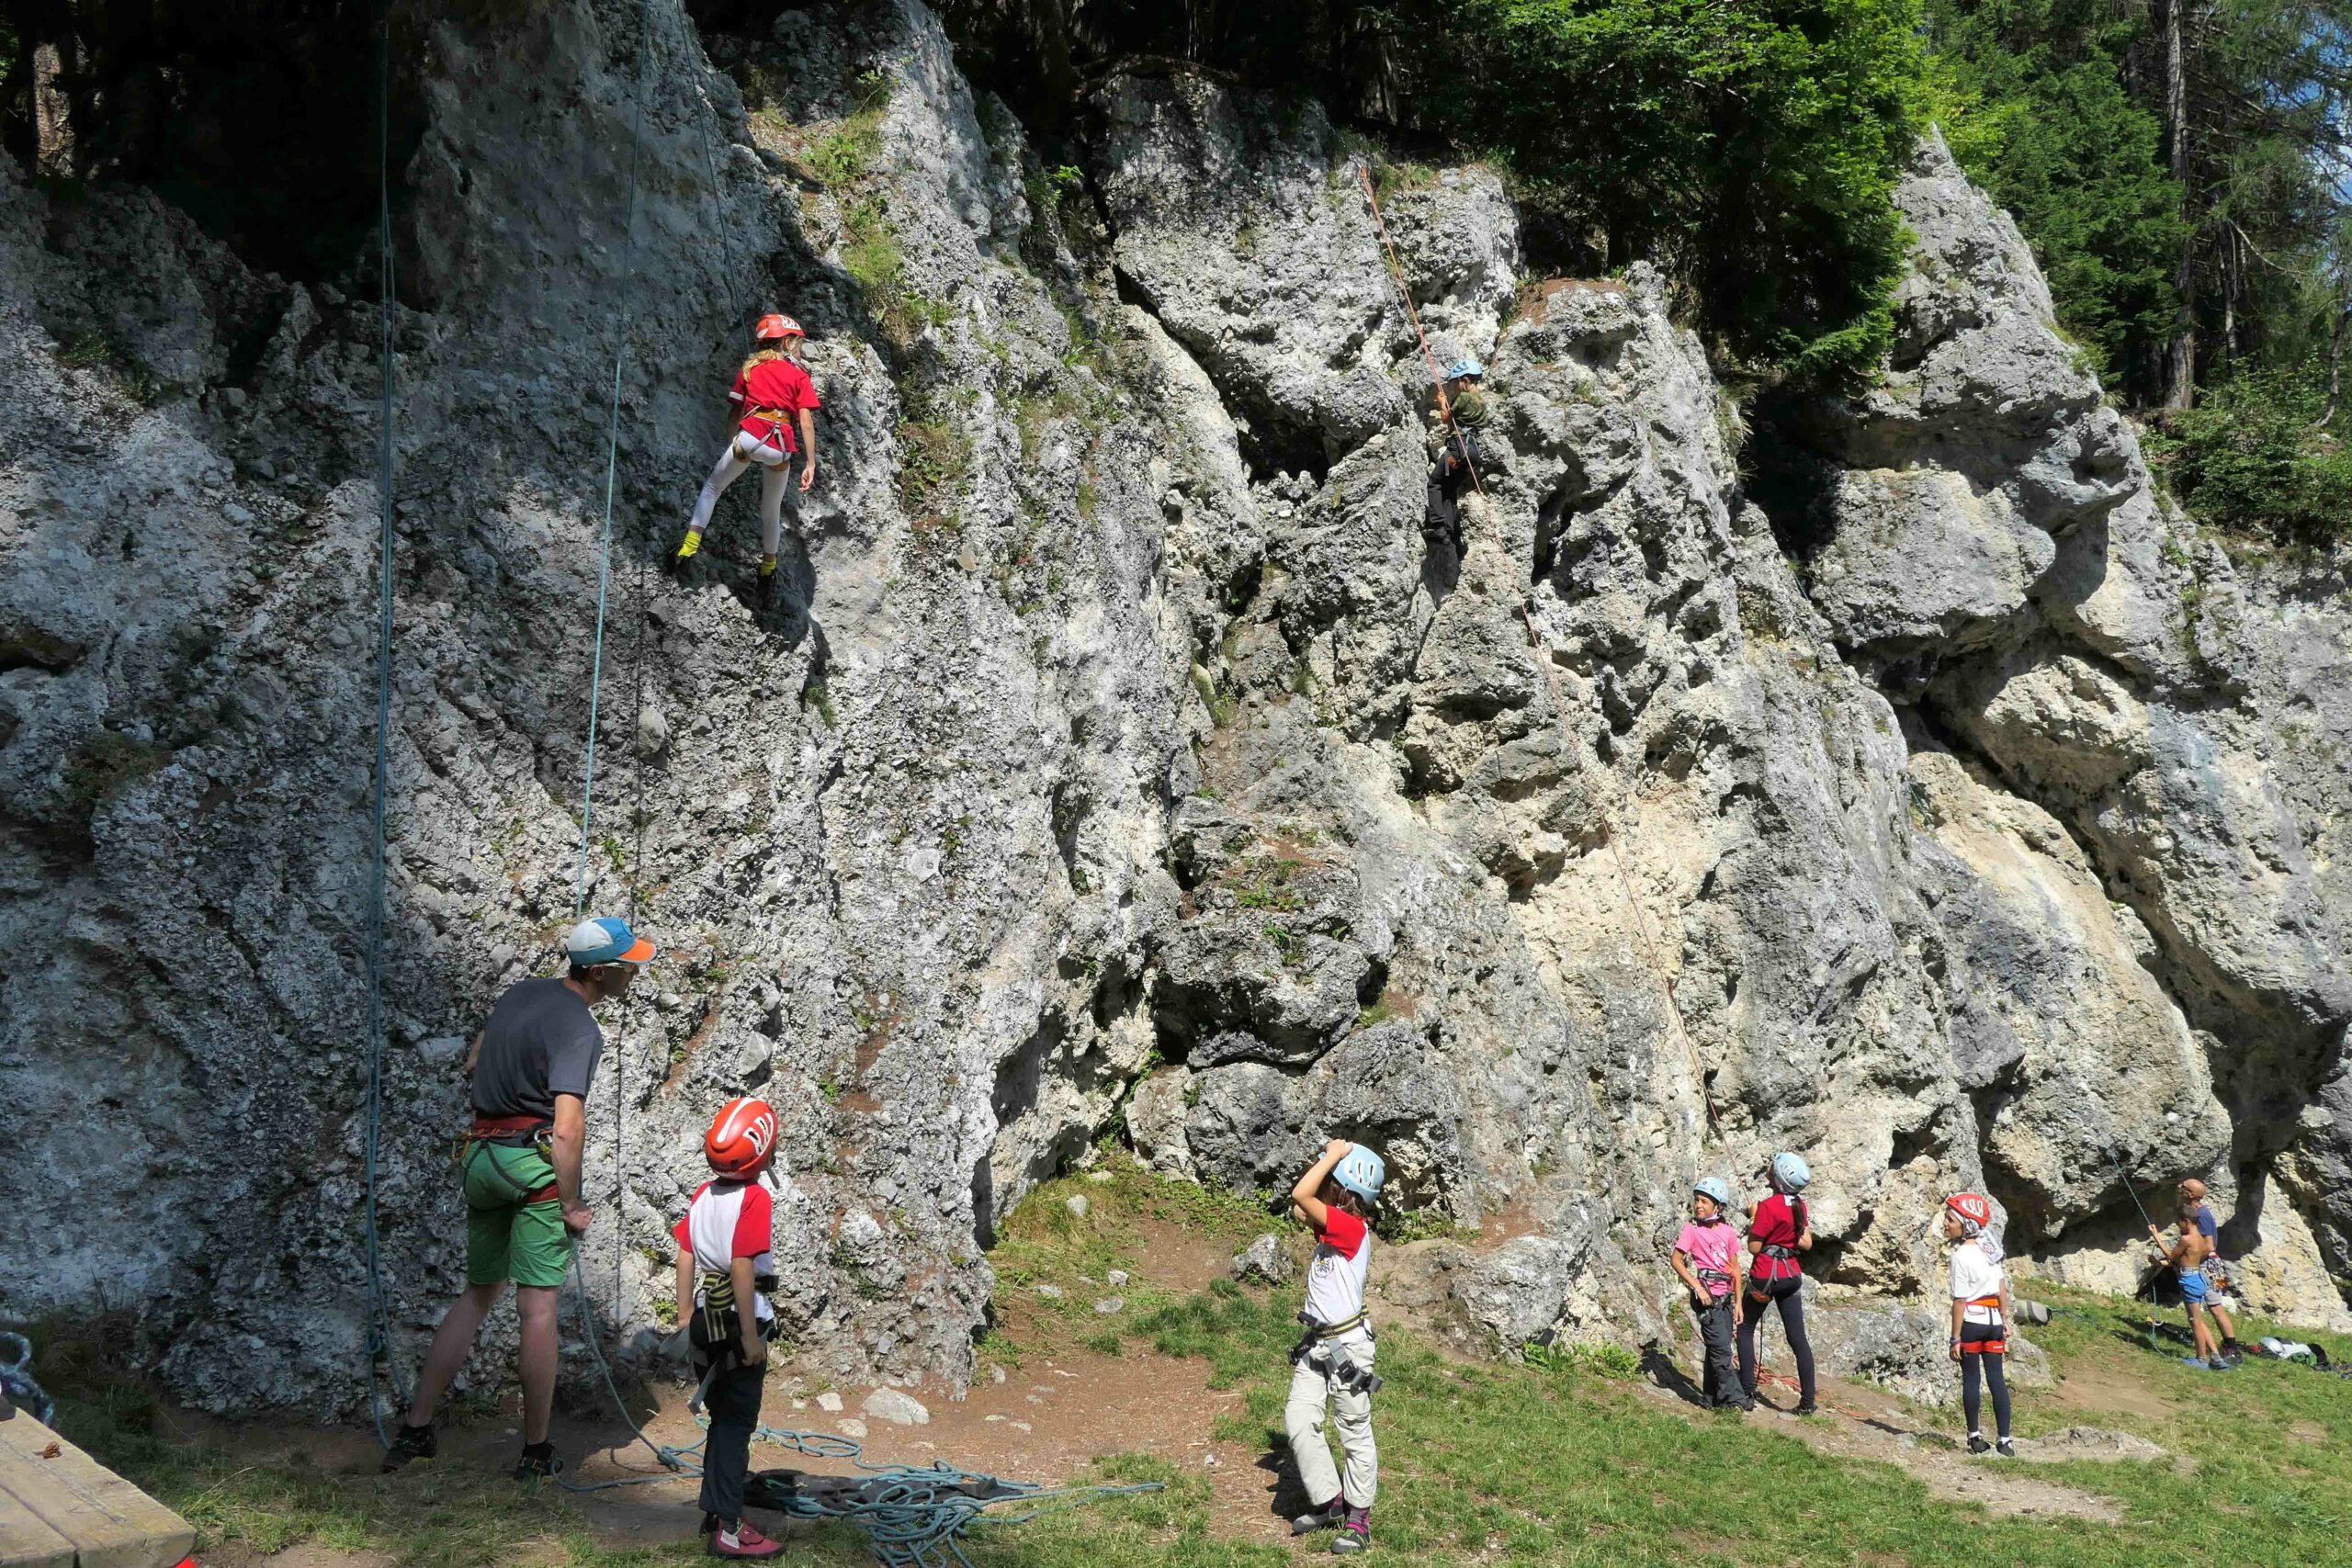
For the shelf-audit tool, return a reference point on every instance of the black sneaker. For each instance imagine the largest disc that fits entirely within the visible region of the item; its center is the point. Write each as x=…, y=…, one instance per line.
x=1323, y=1519
x=1977, y=1445
x=768, y=590
x=538, y=1462
x=410, y=1443
x=1804, y=1408
x=2006, y=1448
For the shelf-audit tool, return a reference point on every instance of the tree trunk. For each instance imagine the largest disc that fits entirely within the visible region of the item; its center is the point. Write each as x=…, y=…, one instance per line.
x=2181, y=354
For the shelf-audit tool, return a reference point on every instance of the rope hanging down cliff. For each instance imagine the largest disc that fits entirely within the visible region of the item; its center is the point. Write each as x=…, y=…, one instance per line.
x=1396, y=271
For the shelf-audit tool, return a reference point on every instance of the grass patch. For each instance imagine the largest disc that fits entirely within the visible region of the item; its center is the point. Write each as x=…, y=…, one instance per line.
x=106, y=762
x=95, y=351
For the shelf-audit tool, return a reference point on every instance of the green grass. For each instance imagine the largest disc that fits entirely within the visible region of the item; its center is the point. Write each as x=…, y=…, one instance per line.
x=1562, y=1460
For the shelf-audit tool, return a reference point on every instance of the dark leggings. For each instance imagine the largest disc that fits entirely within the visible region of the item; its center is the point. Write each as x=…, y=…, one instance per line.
x=1972, y=1401
x=1789, y=1294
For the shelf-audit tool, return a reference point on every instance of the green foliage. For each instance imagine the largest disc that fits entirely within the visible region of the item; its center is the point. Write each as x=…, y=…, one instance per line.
x=95, y=351
x=2034, y=101
x=2251, y=459
x=1753, y=147
x=105, y=763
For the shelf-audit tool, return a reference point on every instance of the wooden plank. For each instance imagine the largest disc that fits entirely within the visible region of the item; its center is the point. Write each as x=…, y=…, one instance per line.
x=108, y=1522
x=25, y=1542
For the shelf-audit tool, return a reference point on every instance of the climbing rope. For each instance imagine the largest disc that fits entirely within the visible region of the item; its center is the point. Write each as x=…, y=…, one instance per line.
x=379, y=1329
x=1395, y=270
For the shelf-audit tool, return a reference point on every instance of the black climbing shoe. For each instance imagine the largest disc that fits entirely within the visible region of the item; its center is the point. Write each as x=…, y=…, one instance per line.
x=410, y=1443
x=709, y=1525
x=1323, y=1519
x=1804, y=1409
x=538, y=1462
x=681, y=560
x=768, y=590
x=2006, y=1448
x=1977, y=1445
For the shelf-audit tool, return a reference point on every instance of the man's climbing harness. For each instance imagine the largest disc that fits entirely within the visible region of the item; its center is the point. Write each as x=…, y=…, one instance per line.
x=1395, y=270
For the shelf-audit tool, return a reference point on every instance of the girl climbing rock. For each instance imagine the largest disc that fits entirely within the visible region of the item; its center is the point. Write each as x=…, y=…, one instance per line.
x=1979, y=1315
x=773, y=393
x=1780, y=1233
x=1706, y=1258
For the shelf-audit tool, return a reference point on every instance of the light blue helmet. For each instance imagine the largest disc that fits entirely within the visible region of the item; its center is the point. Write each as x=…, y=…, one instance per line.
x=1790, y=1173
x=1466, y=366
x=1715, y=1188
x=1361, y=1172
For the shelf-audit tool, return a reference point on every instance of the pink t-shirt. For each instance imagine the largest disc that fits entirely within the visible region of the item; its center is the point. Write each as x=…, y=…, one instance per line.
x=1714, y=1250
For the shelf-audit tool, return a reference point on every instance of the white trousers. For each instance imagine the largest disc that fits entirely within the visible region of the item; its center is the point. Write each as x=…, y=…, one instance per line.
x=775, y=474
x=1311, y=1384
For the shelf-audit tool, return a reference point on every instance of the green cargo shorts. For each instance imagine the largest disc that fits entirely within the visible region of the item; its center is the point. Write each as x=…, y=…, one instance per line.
x=507, y=1238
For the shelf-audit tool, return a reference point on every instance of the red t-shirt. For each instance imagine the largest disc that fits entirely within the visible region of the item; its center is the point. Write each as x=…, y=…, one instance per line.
x=1776, y=1226
x=777, y=384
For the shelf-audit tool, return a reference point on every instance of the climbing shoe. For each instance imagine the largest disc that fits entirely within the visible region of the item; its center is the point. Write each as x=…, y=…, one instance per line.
x=1977, y=1445
x=2006, y=1448
x=683, y=557
x=538, y=1462
x=767, y=584
x=410, y=1443
x=1329, y=1517
x=1804, y=1408
x=2222, y=1364
x=2197, y=1361
x=1355, y=1533
x=744, y=1541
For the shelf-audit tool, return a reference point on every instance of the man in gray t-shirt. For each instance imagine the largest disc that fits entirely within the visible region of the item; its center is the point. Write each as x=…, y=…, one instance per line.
x=531, y=1068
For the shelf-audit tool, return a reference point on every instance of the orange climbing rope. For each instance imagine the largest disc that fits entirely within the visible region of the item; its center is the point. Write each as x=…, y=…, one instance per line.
x=1395, y=270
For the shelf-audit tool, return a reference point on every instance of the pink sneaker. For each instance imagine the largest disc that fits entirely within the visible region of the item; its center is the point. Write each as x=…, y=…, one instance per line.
x=745, y=1543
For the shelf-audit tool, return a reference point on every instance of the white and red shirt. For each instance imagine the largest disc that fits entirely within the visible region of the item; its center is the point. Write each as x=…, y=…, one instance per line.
x=779, y=385
x=1977, y=1277
x=1335, y=1279
x=728, y=1220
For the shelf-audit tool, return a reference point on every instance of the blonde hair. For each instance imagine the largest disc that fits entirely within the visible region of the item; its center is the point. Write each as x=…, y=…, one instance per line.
x=761, y=357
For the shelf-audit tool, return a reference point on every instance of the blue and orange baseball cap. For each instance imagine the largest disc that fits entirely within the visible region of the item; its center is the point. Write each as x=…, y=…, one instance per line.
x=605, y=939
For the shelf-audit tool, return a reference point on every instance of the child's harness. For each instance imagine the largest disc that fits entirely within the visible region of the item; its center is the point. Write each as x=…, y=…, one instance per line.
x=779, y=422
x=1992, y=1304
x=1342, y=1369
x=510, y=1133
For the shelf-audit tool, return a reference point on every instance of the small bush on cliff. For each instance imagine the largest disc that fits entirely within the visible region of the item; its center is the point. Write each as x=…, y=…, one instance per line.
x=2252, y=457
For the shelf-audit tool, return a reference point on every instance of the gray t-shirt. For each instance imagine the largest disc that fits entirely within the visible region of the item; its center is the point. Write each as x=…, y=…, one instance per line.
x=541, y=1041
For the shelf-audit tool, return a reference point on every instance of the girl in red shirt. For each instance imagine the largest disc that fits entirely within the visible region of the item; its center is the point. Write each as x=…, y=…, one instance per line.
x=1778, y=1233
x=772, y=394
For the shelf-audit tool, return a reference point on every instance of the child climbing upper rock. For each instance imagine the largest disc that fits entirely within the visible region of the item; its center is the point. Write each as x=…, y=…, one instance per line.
x=1979, y=1315
x=1332, y=1360
x=1706, y=1260
x=1778, y=1236
x=1455, y=455
x=776, y=402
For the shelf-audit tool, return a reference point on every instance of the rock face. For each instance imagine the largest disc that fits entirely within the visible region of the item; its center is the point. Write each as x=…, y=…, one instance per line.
x=1124, y=756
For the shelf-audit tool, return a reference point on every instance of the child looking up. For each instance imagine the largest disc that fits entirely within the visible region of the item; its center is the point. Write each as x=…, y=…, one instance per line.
x=1333, y=1359
x=724, y=1262
x=1706, y=1258
x=1979, y=1315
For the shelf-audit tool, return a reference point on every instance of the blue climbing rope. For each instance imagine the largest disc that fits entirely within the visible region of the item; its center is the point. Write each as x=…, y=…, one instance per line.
x=378, y=1313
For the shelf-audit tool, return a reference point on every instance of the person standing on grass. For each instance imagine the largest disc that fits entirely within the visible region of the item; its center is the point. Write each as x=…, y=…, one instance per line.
x=726, y=1263
x=1332, y=1360
x=531, y=1067
x=1706, y=1259
x=2187, y=1256
x=2215, y=1271
x=1979, y=1315
x=1778, y=1233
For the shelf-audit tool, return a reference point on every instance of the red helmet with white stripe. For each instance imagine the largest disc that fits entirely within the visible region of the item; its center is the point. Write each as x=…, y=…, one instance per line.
x=741, y=1137
x=775, y=327
x=1969, y=1206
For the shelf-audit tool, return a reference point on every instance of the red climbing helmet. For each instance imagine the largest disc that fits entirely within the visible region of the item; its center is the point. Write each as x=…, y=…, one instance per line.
x=1969, y=1206
x=741, y=1137
x=775, y=327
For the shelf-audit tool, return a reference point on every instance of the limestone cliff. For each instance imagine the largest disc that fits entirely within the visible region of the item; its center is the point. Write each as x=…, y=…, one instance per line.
x=1124, y=763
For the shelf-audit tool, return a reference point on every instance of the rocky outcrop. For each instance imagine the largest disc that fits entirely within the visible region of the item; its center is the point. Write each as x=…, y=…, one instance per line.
x=1125, y=756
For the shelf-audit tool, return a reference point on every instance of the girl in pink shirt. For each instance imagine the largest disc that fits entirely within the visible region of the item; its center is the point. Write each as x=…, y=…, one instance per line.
x=1706, y=1259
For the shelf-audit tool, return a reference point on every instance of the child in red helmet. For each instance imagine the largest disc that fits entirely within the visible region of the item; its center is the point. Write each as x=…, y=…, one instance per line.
x=1979, y=1315
x=772, y=394
x=724, y=1264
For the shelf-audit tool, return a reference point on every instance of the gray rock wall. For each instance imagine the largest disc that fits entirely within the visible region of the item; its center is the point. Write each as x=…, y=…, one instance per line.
x=1126, y=758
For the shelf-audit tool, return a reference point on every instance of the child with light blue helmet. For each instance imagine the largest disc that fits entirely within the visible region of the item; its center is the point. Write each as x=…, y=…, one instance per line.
x=1777, y=1233
x=1706, y=1259
x=1331, y=1364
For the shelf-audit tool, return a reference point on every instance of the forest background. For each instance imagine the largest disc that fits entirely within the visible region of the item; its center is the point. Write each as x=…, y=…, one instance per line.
x=2178, y=166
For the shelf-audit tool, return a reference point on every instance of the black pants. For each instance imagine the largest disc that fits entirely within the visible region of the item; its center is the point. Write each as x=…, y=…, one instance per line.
x=1720, y=1383
x=734, y=1406
x=1789, y=1294
x=1973, y=1357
